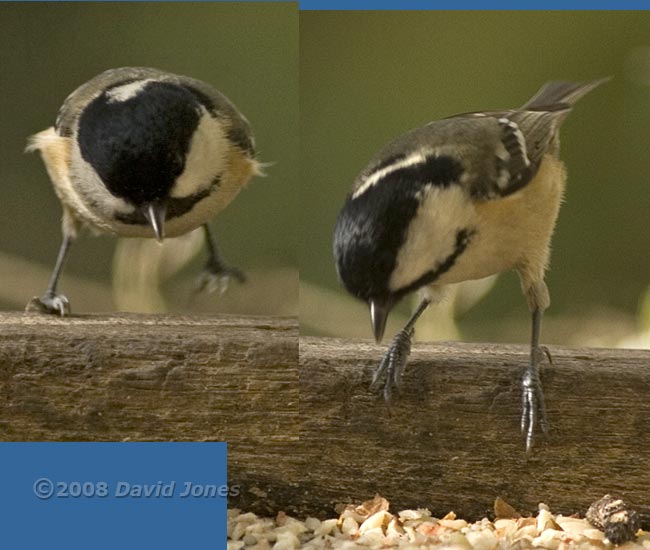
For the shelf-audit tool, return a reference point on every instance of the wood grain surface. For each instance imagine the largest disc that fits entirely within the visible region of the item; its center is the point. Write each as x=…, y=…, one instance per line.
x=306, y=435
x=130, y=377
x=452, y=440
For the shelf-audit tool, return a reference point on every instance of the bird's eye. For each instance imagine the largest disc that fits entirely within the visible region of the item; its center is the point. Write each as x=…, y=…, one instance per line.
x=177, y=162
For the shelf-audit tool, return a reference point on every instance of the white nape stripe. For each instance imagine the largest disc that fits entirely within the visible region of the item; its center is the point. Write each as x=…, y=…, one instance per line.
x=374, y=177
x=521, y=141
x=126, y=91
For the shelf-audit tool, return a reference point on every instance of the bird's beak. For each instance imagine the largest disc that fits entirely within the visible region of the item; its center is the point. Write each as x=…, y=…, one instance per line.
x=378, y=315
x=155, y=214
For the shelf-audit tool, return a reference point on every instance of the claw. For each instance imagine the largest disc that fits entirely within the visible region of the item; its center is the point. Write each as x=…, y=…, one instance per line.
x=217, y=274
x=393, y=364
x=218, y=278
x=533, y=406
x=49, y=303
x=547, y=353
x=396, y=357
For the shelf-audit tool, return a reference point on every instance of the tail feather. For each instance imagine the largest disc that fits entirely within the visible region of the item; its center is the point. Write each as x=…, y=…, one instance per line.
x=561, y=92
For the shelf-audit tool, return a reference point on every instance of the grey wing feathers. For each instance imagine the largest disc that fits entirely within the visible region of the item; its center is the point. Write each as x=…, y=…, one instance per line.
x=503, y=149
x=499, y=151
x=530, y=133
x=539, y=130
x=219, y=105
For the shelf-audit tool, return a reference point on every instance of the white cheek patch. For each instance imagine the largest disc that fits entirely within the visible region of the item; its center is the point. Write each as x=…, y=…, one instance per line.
x=126, y=91
x=206, y=159
x=418, y=157
x=431, y=236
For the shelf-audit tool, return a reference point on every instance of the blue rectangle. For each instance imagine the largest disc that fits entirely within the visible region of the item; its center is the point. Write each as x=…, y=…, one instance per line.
x=113, y=495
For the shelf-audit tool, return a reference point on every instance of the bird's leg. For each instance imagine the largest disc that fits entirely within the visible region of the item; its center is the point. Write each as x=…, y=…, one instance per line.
x=216, y=274
x=533, y=407
x=394, y=361
x=51, y=301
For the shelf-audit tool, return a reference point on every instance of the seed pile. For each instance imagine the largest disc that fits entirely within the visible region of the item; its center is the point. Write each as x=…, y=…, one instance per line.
x=371, y=525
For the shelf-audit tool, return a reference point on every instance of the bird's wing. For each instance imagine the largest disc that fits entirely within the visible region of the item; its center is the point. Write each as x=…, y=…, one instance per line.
x=493, y=153
x=519, y=140
x=490, y=154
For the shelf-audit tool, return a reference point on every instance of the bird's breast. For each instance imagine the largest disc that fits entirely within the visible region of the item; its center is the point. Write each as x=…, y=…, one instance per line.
x=515, y=230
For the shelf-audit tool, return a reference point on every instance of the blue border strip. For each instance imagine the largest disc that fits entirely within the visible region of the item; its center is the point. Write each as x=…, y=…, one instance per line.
x=306, y=5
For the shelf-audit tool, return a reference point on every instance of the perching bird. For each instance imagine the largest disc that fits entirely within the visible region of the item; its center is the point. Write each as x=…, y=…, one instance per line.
x=139, y=152
x=460, y=198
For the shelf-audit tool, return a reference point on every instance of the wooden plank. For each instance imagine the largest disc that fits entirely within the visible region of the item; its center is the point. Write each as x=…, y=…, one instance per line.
x=129, y=377
x=304, y=437
x=452, y=440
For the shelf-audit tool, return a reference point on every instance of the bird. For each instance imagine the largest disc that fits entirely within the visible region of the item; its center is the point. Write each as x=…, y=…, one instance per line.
x=458, y=199
x=141, y=152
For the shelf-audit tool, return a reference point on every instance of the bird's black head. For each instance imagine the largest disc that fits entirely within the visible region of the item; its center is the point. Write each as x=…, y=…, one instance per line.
x=373, y=226
x=136, y=136
x=369, y=233
x=367, y=236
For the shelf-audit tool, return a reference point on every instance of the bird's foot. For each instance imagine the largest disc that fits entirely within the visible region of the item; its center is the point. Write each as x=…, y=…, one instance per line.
x=50, y=302
x=217, y=277
x=393, y=364
x=533, y=407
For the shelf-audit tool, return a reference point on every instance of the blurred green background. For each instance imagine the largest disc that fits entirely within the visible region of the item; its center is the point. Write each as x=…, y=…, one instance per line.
x=248, y=51
x=367, y=77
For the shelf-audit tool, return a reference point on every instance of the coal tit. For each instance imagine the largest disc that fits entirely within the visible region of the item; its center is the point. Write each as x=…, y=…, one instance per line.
x=139, y=152
x=458, y=199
